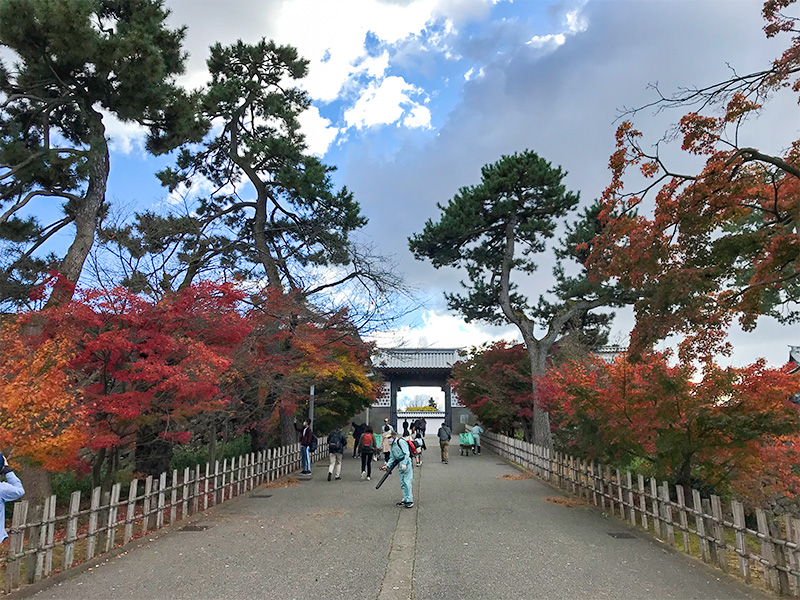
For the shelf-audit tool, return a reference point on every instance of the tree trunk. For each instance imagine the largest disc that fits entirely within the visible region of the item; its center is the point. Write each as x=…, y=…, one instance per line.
x=212, y=443
x=37, y=483
x=537, y=352
x=87, y=212
x=288, y=432
x=153, y=453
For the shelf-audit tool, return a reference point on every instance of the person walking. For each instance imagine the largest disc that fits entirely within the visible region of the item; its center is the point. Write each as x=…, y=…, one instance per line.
x=369, y=447
x=358, y=430
x=419, y=442
x=400, y=455
x=11, y=489
x=405, y=428
x=423, y=426
x=336, y=445
x=444, y=442
x=305, y=445
x=477, y=430
x=386, y=440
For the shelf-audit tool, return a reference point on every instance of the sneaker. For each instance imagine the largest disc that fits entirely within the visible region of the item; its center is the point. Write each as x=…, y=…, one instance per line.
x=447, y=463
x=367, y=478
x=363, y=474
x=329, y=476
x=408, y=504
x=401, y=503
x=337, y=478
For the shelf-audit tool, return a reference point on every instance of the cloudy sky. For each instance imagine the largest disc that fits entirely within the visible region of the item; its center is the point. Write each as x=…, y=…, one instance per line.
x=412, y=97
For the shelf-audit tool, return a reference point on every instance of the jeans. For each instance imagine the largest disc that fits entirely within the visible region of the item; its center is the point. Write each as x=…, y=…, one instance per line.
x=305, y=458
x=366, y=463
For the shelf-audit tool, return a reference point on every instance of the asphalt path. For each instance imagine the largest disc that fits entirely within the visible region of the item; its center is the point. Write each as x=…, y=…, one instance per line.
x=470, y=535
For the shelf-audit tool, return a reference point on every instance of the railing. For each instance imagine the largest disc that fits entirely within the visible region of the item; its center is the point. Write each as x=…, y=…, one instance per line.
x=718, y=529
x=43, y=542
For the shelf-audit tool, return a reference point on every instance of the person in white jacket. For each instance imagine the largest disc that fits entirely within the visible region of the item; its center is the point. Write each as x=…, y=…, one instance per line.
x=11, y=489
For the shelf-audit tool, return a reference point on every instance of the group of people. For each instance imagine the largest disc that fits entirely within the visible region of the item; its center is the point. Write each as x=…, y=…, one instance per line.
x=401, y=451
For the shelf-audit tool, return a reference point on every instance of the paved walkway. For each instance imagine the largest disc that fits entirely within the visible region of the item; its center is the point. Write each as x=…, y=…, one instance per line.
x=470, y=535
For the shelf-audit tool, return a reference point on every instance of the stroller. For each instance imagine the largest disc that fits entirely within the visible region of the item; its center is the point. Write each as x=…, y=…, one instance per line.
x=467, y=443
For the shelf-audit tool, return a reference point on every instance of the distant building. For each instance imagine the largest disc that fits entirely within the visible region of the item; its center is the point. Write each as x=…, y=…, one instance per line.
x=609, y=353
x=793, y=366
x=794, y=359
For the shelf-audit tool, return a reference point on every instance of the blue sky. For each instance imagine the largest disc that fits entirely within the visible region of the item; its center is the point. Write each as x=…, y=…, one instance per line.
x=412, y=97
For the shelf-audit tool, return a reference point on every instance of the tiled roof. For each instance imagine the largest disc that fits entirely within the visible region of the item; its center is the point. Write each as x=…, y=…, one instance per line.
x=415, y=358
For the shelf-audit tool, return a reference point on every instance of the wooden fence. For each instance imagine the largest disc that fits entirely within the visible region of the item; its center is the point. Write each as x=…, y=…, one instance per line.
x=717, y=531
x=43, y=541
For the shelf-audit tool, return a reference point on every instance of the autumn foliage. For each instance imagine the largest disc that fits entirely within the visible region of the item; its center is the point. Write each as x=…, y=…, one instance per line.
x=722, y=427
x=720, y=243
x=83, y=381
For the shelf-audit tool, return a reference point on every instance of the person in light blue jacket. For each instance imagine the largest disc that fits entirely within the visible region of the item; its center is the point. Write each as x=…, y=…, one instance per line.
x=400, y=455
x=477, y=430
x=11, y=489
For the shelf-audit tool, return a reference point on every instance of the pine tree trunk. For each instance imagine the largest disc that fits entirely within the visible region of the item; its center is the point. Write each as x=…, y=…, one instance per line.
x=88, y=212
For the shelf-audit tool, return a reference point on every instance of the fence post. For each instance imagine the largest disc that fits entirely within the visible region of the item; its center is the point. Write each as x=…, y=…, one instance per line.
x=130, y=515
x=719, y=533
x=643, y=502
x=666, y=507
x=767, y=550
x=631, y=505
x=741, y=539
x=35, y=520
x=51, y=531
x=187, y=475
x=620, y=496
x=148, y=492
x=16, y=544
x=700, y=524
x=611, y=496
x=113, y=510
x=223, y=482
x=72, y=529
x=42, y=540
x=173, y=498
x=91, y=539
x=708, y=527
x=682, y=518
x=779, y=576
x=215, y=484
x=656, y=507
x=206, y=484
x=793, y=525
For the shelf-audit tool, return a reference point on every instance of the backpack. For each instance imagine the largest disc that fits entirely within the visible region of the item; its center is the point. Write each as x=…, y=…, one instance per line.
x=367, y=440
x=412, y=448
x=335, y=443
x=314, y=443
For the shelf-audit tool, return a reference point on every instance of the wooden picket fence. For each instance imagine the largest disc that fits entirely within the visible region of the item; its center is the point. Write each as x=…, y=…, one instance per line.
x=43, y=541
x=719, y=529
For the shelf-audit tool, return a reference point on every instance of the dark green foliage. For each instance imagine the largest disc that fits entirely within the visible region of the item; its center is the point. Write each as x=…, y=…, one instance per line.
x=75, y=61
x=522, y=192
x=297, y=219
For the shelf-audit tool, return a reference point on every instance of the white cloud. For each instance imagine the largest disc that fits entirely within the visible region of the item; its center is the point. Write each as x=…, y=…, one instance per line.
x=386, y=103
x=552, y=39
x=318, y=131
x=418, y=118
x=123, y=137
x=441, y=330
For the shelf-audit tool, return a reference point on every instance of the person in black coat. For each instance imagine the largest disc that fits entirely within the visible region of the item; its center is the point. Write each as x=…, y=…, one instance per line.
x=405, y=428
x=358, y=429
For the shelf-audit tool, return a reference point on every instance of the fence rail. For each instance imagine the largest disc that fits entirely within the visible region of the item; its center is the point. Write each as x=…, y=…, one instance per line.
x=719, y=529
x=43, y=542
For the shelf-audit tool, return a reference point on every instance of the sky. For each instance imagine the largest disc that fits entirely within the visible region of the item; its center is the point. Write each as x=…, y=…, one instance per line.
x=411, y=97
